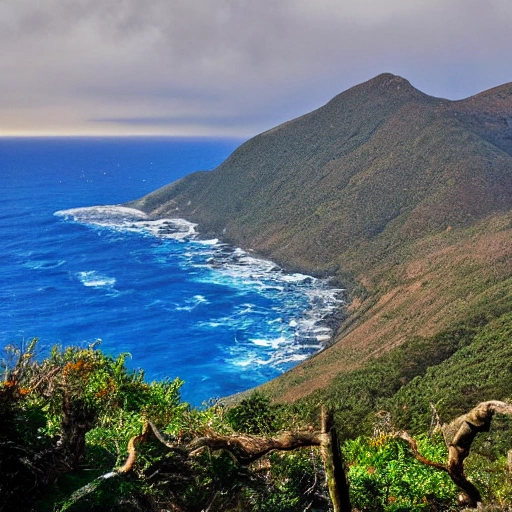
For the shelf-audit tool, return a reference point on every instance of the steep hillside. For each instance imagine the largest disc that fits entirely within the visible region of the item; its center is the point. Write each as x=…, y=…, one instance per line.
x=402, y=197
x=379, y=159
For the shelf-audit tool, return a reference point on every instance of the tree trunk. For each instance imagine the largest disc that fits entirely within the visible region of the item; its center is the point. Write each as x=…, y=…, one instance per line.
x=333, y=464
x=77, y=420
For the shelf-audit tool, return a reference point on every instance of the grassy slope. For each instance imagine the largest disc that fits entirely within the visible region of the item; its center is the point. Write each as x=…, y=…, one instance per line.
x=404, y=198
x=429, y=286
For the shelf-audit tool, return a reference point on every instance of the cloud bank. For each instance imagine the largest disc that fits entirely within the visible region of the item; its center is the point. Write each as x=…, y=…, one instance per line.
x=231, y=67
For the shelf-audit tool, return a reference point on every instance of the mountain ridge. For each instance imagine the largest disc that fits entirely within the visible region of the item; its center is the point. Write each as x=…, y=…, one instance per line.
x=357, y=156
x=380, y=180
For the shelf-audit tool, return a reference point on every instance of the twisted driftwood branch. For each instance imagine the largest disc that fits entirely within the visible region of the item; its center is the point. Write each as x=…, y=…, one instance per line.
x=246, y=449
x=459, y=436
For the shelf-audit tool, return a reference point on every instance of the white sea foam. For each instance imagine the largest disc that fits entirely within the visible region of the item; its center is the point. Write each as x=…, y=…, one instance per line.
x=109, y=215
x=275, y=343
x=93, y=279
x=192, y=303
x=274, y=336
x=294, y=278
x=129, y=219
x=245, y=363
x=44, y=264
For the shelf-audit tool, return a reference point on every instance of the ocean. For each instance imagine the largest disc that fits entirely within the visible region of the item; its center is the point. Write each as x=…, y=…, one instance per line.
x=76, y=268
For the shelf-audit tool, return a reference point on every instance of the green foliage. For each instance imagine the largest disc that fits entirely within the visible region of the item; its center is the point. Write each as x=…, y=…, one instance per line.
x=454, y=369
x=42, y=402
x=87, y=401
x=479, y=371
x=123, y=494
x=355, y=396
x=255, y=415
x=45, y=402
x=384, y=476
x=294, y=483
x=492, y=477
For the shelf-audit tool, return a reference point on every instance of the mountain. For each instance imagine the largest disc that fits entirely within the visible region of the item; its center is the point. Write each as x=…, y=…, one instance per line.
x=379, y=158
x=403, y=198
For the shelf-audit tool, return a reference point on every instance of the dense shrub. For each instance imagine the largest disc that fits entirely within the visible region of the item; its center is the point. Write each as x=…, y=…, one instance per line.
x=384, y=476
x=71, y=417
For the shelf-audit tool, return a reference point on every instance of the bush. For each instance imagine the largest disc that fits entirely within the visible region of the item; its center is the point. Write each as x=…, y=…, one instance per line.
x=255, y=415
x=384, y=476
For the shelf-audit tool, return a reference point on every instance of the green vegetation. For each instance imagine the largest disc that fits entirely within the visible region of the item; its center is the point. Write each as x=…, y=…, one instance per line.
x=68, y=420
x=454, y=369
x=383, y=477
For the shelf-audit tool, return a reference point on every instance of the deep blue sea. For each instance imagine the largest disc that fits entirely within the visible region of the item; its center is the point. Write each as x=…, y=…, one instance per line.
x=76, y=268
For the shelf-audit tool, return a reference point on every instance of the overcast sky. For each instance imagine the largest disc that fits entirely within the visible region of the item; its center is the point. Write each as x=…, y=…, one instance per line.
x=231, y=67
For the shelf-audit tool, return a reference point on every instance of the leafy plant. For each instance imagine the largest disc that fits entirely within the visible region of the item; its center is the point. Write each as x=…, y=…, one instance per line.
x=385, y=477
x=255, y=415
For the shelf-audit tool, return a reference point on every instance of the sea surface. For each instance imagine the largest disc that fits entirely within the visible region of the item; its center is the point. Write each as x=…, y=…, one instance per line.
x=76, y=267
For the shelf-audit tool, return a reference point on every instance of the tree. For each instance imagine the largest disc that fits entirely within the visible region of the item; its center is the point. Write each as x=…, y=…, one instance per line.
x=459, y=436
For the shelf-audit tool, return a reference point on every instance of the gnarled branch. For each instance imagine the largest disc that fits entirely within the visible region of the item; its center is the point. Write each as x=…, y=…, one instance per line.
x=414, y=448
x=459, y=436
x=132, y=453
x=247, y=449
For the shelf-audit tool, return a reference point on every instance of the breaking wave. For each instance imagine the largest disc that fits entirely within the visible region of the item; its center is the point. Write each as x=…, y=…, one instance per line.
x=272, y=319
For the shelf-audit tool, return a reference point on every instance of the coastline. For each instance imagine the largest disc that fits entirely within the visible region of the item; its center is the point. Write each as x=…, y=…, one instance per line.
x=297, y=335
x=332, y=320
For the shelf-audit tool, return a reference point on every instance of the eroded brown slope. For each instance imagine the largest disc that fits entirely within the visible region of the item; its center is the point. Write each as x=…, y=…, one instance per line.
x=433, y=284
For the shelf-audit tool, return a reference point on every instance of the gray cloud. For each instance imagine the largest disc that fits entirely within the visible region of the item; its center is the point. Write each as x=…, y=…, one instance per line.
x=231, y=67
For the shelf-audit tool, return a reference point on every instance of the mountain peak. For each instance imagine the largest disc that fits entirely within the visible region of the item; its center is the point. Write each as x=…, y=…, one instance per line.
x=389, y=79
x=390, y=83
x=384, y=88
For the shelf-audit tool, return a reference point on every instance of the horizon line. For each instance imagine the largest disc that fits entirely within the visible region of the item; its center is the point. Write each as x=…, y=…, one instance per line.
x=120, y=136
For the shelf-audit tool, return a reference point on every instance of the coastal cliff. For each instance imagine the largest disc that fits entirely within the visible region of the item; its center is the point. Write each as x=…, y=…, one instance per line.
x=403, y=198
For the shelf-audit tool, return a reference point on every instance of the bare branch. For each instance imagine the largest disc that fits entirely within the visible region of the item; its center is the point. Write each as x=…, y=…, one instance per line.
x=173, y=447
x=459, y=436
x=132, y=453
x=247, y=449
x=414, y=448
x=435, y=421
